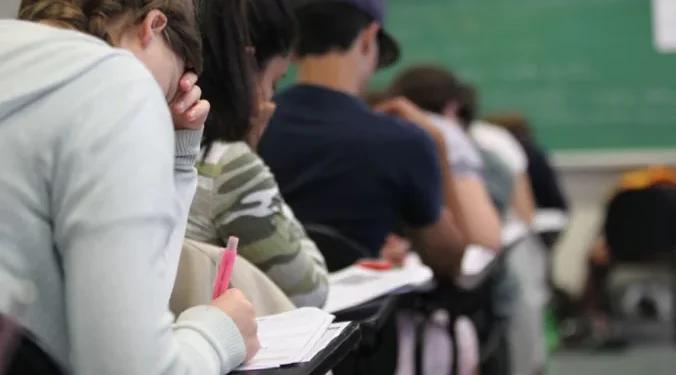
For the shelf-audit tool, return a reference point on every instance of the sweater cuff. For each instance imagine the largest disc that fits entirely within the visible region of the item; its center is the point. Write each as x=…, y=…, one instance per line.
x=219, y=335
x=188, y=145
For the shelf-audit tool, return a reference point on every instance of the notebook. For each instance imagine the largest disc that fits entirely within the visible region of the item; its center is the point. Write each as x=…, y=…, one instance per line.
x=356, y=285
x=293, y=337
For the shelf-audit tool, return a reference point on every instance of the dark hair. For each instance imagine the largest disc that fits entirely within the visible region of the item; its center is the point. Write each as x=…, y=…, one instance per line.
x=228, y=78
x=468, y=105
x=430, y=87
x=272, y=29
x=513, y=121
x=328, y=27
x=94, y=16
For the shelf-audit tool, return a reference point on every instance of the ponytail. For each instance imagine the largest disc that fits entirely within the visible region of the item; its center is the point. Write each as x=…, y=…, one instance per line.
x=62, y=12
x=93, y=17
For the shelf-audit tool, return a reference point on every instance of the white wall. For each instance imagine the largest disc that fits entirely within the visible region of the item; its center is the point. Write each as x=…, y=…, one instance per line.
x=588, y=179
x=8, y=8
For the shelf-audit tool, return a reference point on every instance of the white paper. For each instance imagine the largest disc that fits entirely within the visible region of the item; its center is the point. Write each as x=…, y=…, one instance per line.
x=331, y=334
x=289, y=337
x=664, y=25
x=512, y=232
x=551, y=220
x=475, y=266
x=356, y=285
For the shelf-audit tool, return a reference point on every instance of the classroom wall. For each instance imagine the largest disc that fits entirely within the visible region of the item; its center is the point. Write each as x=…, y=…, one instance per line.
x=8, y=8
x=587, y=179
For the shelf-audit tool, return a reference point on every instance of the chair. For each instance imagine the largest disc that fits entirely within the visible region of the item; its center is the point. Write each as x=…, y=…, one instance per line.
x=639, y=229
x=196, y=274
x=339, y=251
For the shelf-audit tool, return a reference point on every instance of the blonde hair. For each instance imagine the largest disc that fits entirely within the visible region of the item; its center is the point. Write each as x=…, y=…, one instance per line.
x=94, y=16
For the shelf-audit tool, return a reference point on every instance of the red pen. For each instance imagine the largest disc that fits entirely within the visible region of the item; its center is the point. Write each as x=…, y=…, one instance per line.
x=225, y=268
x=375, y=264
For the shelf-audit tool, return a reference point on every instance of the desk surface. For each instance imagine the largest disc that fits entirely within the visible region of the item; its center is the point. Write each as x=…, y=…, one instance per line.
x=323, y=362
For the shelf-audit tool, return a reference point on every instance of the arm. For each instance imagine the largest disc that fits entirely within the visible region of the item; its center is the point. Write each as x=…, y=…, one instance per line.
x=270, y=235
x=522, y=199
x=431, y=225
x=115, y=211
x=187, y=146
x=459, y=229
x=476, y=206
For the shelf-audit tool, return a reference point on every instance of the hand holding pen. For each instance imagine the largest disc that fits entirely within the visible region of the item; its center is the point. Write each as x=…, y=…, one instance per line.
x=233, y=302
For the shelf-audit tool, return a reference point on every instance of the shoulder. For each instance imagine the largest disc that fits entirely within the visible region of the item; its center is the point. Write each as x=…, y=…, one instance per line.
x=500, y=142
x=234, y=168
x=460, y=147
x=407, y=142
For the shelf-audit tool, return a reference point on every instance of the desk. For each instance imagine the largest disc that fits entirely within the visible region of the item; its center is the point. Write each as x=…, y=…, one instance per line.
x=323, y=362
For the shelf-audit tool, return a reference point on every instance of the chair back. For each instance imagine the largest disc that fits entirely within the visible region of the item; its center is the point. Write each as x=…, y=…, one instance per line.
x=197, y=272
x=339, y=251
x=640, y=223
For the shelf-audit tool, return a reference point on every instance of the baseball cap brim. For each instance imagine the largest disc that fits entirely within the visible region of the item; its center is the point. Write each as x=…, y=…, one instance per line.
x=389, y=50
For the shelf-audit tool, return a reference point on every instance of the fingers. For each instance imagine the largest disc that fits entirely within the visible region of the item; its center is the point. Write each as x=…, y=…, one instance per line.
x=187, y=81
x=187, y=100
x=198, y=113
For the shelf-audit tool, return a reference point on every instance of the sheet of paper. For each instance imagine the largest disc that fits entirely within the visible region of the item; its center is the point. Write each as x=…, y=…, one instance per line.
x=331, y=334
x=550, y=221
x=513, y=231
x=475, y=267
x=288, y=338
x=356, y=285
x=664, y=25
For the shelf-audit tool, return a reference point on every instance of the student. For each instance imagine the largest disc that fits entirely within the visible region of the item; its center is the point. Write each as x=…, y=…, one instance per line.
x=497, y=177
x=439, y=93
x=545, y=185
x=238, y=195
x=500, y=142
x=340, y=164
x=96, y=184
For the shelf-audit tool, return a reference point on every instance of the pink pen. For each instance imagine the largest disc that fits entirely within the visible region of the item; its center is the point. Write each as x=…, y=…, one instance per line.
x=225, y=268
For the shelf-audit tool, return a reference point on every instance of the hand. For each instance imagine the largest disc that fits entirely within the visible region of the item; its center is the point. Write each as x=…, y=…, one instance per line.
x=260, y=122
x=241, y=311
x=395, y=250
x=404, y=108
x=188, y=110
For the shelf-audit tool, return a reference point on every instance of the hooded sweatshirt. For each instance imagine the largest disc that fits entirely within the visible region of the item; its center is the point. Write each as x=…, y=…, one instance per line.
x=95, y=186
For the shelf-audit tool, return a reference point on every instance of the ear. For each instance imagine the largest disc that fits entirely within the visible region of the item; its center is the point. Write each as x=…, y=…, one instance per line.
x=369, y=38
x=153, y=26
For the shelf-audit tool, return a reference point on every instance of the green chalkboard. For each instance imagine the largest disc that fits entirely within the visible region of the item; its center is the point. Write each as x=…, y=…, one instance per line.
x=585, y=72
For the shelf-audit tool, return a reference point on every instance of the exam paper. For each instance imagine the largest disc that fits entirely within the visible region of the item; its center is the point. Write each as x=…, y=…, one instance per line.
x=549, y=220
x=512, y=232
x=331, y=334
x=289, y=337
x=356, y=285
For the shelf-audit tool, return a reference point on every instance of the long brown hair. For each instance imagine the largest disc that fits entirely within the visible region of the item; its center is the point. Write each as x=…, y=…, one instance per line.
x=211, y=35
x=94, y=16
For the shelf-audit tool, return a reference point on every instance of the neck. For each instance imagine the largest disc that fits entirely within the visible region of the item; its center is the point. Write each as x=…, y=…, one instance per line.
x=450, y=114
x=331, y=71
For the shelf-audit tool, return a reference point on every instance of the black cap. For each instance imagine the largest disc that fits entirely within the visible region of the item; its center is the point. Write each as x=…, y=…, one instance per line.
x=389, y=48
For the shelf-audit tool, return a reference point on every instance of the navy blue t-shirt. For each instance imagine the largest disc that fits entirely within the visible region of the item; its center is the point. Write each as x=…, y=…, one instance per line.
x=340, y=164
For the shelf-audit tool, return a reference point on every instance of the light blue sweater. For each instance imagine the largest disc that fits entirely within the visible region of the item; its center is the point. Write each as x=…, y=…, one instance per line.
x=95, y=186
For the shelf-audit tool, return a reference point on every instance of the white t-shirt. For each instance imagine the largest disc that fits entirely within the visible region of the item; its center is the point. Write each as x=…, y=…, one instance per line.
x=463, y=156
x=501, y=143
